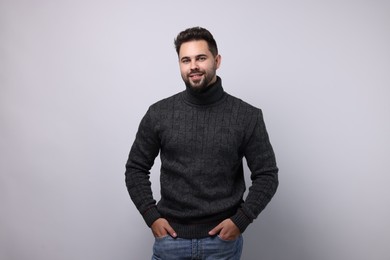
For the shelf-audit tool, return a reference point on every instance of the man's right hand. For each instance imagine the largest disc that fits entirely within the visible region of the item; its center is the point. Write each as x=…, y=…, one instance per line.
x=161, y=228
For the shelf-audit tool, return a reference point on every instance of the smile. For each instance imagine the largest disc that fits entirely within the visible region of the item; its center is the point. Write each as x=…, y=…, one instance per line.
x=196, y=75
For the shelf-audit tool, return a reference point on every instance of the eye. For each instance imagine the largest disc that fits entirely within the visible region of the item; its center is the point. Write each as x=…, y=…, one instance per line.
x=185, y=61
x=202, y=58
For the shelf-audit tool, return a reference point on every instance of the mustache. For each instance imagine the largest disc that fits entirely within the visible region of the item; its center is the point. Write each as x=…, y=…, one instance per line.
x=195, y=72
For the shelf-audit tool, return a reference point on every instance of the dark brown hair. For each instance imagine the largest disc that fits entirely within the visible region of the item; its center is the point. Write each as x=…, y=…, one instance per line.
x=194, y=34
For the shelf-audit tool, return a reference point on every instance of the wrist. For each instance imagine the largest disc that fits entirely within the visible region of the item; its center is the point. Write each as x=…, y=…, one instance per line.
x=151, y=215
x=241, y=220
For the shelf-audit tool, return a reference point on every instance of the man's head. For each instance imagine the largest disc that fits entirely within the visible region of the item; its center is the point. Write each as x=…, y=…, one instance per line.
x=198, y=57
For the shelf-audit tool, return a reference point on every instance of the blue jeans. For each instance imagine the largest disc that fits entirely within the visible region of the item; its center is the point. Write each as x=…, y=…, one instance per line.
x=209, y=248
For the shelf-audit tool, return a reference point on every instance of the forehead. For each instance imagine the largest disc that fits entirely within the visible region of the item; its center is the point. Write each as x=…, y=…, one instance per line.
x=194, y=48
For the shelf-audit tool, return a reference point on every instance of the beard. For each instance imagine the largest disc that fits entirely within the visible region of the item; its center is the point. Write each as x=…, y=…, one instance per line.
x=200, y=81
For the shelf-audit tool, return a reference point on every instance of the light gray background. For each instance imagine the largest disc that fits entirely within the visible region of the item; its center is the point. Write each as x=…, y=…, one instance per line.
x=77, y=76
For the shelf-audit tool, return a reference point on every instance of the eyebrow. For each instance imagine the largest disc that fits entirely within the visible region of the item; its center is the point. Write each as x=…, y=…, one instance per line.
x=196, y=56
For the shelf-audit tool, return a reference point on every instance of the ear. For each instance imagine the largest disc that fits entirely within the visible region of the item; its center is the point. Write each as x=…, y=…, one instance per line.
x=218, y=59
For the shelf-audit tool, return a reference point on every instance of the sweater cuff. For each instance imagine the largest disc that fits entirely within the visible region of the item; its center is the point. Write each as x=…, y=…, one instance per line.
x=151, y=215
x=241, y=220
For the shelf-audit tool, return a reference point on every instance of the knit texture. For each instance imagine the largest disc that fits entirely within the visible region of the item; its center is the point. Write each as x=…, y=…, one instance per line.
x=202, y=139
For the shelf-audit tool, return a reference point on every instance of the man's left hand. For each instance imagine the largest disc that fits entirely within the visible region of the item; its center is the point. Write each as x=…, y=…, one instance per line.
x=226, y=230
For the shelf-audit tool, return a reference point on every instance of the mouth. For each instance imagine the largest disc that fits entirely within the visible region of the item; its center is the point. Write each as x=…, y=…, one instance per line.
x=196, y=76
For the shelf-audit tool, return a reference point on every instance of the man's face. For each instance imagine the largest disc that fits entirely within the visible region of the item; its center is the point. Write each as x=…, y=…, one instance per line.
x=198, y=65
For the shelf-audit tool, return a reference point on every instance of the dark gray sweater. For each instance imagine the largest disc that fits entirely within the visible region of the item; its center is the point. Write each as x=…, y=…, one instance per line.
x=202, y=139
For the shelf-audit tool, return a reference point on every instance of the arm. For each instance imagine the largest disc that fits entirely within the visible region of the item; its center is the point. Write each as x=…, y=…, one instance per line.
x=141, y=158
x=264, y=174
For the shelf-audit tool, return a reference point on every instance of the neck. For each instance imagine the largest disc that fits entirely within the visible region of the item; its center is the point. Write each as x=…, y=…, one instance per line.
x=213, y=93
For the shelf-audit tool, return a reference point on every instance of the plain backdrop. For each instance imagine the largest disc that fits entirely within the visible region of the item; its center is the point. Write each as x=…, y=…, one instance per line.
x=76, y=77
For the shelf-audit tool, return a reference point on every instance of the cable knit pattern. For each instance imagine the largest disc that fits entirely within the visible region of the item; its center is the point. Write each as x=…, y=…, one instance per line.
x=202, y=139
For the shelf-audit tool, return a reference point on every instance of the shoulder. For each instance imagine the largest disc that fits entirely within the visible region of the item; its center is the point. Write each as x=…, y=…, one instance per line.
x=159, y=110
x=165, y=103
x=243, y=106
x=168, y=101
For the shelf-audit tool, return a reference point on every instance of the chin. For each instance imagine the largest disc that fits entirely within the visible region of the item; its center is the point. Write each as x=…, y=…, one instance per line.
x=199, y=88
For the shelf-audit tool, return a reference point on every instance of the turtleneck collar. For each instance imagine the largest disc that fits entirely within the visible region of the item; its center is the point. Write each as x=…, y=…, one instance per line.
x=212, y=94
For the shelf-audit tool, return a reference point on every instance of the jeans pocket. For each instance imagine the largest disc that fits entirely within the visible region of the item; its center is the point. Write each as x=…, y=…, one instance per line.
x=161, y=238
x=227, y=241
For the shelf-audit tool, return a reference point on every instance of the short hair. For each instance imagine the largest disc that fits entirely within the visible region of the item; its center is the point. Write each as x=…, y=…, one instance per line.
x=196, y=34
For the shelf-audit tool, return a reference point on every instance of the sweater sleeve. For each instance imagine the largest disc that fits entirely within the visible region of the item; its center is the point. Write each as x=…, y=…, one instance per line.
x=141, y=159
x=261, y=161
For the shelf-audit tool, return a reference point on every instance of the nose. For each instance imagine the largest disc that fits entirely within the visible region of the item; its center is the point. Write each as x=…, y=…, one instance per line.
x=194, y=65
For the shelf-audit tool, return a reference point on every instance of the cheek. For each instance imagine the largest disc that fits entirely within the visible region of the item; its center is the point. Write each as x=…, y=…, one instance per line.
x=211, y=66
x=183, y=69
x=183, y=73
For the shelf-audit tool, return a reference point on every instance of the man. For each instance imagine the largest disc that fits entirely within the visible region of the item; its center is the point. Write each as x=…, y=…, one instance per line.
x=202, y=135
